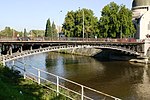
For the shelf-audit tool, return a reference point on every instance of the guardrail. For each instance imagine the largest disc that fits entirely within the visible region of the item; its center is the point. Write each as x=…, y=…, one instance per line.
x=122, y=40
x=60, y=85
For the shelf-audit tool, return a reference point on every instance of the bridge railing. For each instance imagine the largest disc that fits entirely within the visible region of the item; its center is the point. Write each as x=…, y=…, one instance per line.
x=86, y=39
x=60, y=85
x=68, y=39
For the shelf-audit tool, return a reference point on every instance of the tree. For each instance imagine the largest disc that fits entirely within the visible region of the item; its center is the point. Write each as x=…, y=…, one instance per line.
x=127, y=27
x=25, y=33
x=54, y=30
x=73, y=25
x=48, y=30
x=68, y=26
x=116, y=21
x=37, y=33
x=7, y=32
x=90, y=23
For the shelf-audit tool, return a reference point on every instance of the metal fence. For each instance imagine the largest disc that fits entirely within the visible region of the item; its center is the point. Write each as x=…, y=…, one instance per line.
x=70, y=39
x=60, y=85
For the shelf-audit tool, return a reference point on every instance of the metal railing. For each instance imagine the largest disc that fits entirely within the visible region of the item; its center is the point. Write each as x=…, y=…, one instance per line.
x=60, y=85
x=123, y=40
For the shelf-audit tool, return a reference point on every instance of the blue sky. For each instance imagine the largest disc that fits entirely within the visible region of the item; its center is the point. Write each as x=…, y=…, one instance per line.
x=32, y=14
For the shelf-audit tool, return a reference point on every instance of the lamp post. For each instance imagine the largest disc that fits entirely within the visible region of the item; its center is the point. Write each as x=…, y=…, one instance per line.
x=83, y=23
x=121, y=23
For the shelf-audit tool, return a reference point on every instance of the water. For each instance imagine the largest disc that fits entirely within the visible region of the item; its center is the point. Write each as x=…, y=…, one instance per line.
x=118, y=78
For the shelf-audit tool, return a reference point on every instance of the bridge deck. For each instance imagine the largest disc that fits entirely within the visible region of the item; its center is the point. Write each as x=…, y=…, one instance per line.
x=83, y=42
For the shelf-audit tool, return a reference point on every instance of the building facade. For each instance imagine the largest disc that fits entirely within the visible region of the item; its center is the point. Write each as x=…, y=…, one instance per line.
x=141, y=18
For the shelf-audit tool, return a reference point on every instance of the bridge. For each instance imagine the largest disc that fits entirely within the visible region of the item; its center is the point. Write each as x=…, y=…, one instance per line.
x=137, y=48
x=11, y=50
x=47, y=46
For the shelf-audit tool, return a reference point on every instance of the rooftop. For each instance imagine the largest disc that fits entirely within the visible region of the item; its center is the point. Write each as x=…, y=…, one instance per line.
x=136, y=3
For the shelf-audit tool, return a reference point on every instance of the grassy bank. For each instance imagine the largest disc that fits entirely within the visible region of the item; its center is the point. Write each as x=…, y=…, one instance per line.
x=14, y=87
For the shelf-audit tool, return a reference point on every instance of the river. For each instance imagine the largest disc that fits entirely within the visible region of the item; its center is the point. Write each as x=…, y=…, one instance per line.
x=118, y=78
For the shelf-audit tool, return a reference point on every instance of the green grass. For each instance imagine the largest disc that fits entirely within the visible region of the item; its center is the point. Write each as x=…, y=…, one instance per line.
x=14, y=87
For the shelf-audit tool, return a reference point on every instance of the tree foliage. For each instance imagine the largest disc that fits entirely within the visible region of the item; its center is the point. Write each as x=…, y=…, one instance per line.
x=54, y=30
x=9, y=32
x=25, y=33
x=116, y=21
x=50, y=30
x=37, y=33
x=73, y=25
x=68, y=26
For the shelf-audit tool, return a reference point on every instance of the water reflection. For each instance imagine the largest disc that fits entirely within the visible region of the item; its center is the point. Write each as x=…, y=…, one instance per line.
x=118, y=78
x=143, y=89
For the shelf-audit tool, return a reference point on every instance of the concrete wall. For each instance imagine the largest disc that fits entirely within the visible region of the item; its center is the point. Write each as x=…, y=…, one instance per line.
x=81, y=51
x=98, y=53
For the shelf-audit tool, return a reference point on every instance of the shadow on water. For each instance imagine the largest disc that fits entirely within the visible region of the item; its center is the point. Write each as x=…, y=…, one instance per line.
x=109, y=55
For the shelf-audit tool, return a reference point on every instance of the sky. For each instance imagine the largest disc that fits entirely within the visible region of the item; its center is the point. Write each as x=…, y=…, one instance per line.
x=33, y=14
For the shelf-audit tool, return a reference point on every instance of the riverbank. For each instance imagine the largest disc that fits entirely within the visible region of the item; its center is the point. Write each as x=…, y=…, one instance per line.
x=14, y=87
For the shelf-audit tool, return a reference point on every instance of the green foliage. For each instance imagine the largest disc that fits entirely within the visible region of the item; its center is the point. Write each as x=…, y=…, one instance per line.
x=25, y=34
x=14, y=87
x=68, y=26
x=8, y=32
x=54, y=30
x=37, y=33
x=73, y=25
x=50, y=30
x=116, y=21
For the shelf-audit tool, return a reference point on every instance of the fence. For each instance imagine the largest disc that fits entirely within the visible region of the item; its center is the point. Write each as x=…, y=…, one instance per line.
x=129, y=40
x=60, y=85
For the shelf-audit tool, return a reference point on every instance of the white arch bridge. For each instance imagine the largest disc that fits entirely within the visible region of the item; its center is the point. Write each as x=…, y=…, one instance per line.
x=79, y=95
x=11, y=50
x=131, y=48
x=16, y=55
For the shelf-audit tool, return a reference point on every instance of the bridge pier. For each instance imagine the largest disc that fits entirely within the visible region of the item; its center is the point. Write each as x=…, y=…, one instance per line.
x=146, y=47
x=31, y=48
x=10, y=50
x=144, y=58
x=21, y=49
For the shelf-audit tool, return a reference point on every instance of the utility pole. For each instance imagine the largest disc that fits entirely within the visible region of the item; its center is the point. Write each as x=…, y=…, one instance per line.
x=83, y=23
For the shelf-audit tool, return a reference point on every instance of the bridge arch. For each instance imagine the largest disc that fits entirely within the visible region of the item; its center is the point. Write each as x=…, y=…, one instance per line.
x=66, y=47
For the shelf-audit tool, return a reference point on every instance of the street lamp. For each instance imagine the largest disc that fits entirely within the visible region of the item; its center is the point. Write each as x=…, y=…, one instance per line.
x=83, y=23
x=121, y=23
